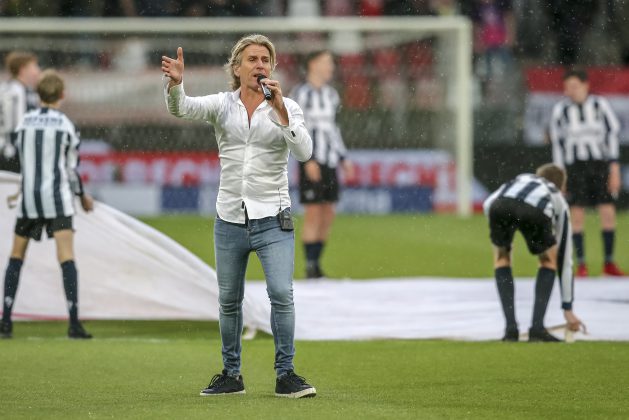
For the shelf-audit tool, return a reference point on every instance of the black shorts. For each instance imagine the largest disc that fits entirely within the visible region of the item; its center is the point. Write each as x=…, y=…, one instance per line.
x=587, y=184
x=324, y=191
x=506, y=215
x=33, y=228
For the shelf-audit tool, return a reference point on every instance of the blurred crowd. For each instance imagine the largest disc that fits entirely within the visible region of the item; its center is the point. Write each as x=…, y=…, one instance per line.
x=508, y=34
x=501, y=27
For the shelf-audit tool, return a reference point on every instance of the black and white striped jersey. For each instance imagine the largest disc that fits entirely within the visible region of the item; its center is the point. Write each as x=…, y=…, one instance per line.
x=320, y=108
x=584, y=132
x=544, y=195
x=15, y=100
x=48, y=146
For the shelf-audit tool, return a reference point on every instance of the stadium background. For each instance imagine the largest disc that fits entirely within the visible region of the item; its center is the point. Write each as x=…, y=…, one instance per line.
x=153, y=369
x=394, y=98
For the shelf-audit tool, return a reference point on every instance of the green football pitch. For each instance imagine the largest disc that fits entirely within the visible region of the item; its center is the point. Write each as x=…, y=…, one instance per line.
x=363, y=247
x=135, y=369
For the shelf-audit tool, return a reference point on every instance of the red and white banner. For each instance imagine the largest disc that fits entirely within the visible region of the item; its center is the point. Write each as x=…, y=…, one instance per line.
x=384, y=181
x=158, y=168
x=545, y=89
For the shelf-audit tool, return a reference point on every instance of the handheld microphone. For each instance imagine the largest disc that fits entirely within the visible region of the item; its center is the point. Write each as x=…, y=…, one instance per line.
x=265, y=89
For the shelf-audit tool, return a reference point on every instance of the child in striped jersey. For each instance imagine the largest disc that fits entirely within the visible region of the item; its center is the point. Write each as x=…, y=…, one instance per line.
x=534, y=205
x=47, y=145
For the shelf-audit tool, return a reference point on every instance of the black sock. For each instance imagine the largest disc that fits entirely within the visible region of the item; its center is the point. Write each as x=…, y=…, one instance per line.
x=11, y=280
x=543, y=288
x=579, y=247
x=504, y=282
x=320, y=246
x=608, y=244
x=313, y=253
x=71, y=288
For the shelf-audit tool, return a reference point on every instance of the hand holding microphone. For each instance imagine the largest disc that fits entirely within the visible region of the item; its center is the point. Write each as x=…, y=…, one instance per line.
x=273, y=93
x=265, y=89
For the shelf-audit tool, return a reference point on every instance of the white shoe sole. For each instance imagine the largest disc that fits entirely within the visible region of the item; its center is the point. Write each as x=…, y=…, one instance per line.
x=224, y=393
x=310, y=392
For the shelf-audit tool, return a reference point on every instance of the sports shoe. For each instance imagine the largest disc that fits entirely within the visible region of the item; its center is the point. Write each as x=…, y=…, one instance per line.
x=511, y=335
x=542, y=336
x=314, y=272
x=6, y=329
x=76, y=331
x=582, y=270
x=611, y=269
x=291, y=385
x=222, y=384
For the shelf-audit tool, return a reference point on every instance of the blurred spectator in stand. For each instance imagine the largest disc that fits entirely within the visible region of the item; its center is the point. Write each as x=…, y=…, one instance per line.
x=570, y=20
x=371, y=7
x=618, y=12
x=339, y=8
x=251, y=8
x=406, y=7
x=494, y=35
x=444, y=7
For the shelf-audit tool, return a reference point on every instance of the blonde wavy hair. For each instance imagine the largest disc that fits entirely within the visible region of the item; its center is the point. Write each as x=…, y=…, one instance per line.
x=236, y=55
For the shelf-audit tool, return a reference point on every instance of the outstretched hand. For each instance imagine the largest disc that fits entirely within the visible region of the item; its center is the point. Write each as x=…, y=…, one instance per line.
x=573, y=323
x=173, y=68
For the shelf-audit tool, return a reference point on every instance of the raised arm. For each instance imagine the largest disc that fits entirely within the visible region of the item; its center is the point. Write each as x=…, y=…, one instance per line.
x=203, y=108
x=173, y=68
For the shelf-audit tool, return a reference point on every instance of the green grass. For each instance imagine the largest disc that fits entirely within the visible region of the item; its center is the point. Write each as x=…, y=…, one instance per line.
x=400, y=245
x=152, y=370
x=155, y=370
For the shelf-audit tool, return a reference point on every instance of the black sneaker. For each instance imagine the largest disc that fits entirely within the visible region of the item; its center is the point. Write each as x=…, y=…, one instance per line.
x=511, y=335
x=222, y=384
x=76, y=331
x=6, y=329
x=542, y=336
x=314, y=272
x=291, y=385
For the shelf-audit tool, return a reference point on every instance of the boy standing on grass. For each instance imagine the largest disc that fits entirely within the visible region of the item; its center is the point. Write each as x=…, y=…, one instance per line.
x=534, y=205
x=47, y=145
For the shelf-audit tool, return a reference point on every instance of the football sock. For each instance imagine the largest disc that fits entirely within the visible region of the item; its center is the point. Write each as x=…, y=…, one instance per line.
x=543, y=288
x=313, y=252
x=608, y=244
x=71, y=288
x=504, y=282
x=579, y=240
x=11, y=280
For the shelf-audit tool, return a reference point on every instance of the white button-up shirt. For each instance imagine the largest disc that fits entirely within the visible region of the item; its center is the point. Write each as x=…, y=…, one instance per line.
x=253, y=156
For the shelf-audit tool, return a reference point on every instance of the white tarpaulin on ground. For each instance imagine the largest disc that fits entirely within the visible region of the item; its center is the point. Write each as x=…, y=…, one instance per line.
x=128, y=270
x=465, y=309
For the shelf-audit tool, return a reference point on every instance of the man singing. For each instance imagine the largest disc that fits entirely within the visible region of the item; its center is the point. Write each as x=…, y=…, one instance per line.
x=255, y=136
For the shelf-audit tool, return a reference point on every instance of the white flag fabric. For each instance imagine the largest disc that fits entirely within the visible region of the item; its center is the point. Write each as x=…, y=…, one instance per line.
x=127, y=270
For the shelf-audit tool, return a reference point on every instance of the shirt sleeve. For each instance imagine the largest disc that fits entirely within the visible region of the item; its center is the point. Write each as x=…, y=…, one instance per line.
x=340, y=144
x=295, y=133
x=13, y=109
x=72, y=162
x=612, y=126
x=557, y=136
x=563, y=234
x=205, y=108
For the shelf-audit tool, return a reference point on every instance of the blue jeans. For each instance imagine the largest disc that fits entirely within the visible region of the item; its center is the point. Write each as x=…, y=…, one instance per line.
x=276, y=250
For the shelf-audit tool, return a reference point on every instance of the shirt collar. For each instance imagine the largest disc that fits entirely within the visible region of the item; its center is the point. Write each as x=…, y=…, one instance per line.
x=236, y=98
